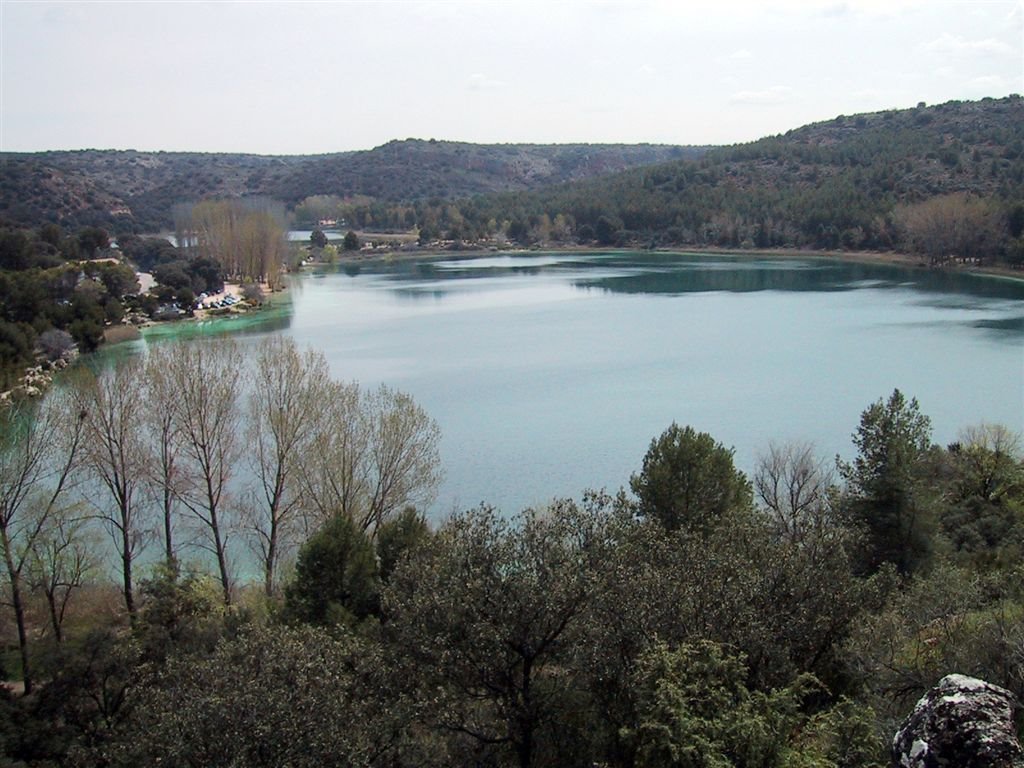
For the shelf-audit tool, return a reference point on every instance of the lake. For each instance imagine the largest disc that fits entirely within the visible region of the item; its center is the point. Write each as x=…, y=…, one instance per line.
x=551, y=373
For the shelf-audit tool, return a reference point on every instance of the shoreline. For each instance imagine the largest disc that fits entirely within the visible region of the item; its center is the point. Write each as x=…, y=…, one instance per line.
x=857, y=257
x=438, y=254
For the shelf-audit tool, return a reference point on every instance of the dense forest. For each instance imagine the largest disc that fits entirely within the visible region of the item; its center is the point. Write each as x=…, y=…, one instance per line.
x=943, y=181
x=137, y=191
x=55, y=297
x=699, y=618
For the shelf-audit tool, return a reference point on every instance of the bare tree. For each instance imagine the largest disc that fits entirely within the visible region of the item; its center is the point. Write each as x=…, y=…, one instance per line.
x=335, y=468
x=38, y=453
x=289, y=393
x=204, y=386
x=793, y=486
x=114, y=453
x=957, y=225
x=373, y=454
x=245, y=237
x=261, y=248
x=404, y=444
x=184, y=231
x=62, y=558
x=166, y=470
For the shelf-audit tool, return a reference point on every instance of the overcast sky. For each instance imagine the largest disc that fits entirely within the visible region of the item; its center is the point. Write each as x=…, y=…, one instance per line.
x=307, y=77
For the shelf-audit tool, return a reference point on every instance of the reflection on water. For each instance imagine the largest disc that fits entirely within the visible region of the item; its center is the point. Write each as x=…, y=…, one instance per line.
x=1012, y=324
x=274, y=317
x=677, y=274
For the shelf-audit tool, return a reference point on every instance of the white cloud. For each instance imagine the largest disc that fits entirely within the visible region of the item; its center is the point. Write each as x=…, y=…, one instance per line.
x=955, y=45
x=835, y=11
x=777, y=94
x=481, y=82
x=741, y=55
x=993, y=84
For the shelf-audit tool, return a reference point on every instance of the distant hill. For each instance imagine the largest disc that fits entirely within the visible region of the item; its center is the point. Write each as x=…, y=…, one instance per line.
x=137, y=190
x=841, y=183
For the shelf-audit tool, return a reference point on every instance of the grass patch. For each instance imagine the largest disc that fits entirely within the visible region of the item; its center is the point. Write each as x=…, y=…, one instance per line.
x=119, y=333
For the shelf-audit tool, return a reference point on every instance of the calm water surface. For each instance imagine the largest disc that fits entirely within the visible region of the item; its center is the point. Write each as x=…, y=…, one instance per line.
x=550, y=374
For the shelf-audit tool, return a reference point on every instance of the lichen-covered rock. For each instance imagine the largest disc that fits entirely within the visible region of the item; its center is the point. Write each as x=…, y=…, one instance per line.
x=962, y=722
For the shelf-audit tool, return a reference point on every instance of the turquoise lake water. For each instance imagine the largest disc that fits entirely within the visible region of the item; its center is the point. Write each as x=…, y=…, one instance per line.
x=551, y=373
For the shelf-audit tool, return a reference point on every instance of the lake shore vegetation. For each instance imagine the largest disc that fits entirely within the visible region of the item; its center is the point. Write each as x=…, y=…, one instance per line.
x=790, y=618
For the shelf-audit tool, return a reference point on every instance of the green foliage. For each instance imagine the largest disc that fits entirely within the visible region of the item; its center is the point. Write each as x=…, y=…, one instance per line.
x=689, y=481
x=398, y=537
x=983, y=511
x=273, y=696
x=180, y=614
x=39, y=291
x=888, y=495
x=92, y=239
x=847, y=735
x=16, y=252
x=118, y=279
x=173, y=275
x=578, y=634
x=15, y=350
x=351, y=241
x=950, y=619
x=196, y=275
x=84, y=702
x=336, y=580
x=606, y=230
x=842, y=183
x=695, y=711
x=317, y=238
x=148, y=252
x=489, y=614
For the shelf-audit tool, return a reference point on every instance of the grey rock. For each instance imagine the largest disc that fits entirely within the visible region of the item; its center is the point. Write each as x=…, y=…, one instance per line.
x=962, y=722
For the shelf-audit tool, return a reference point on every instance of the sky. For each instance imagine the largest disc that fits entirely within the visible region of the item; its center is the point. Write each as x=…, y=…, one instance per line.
x=313, y=77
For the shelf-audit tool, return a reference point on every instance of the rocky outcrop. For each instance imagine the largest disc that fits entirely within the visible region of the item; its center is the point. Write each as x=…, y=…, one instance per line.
x=962, y=722
x=38, y=379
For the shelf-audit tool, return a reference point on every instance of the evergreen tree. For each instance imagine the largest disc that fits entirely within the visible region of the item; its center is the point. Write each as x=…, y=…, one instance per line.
x=886, y=489
x=689, y=481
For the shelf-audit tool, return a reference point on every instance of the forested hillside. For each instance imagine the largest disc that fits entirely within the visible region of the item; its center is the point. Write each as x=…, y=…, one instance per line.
x=136, y=191
x=943, y=180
